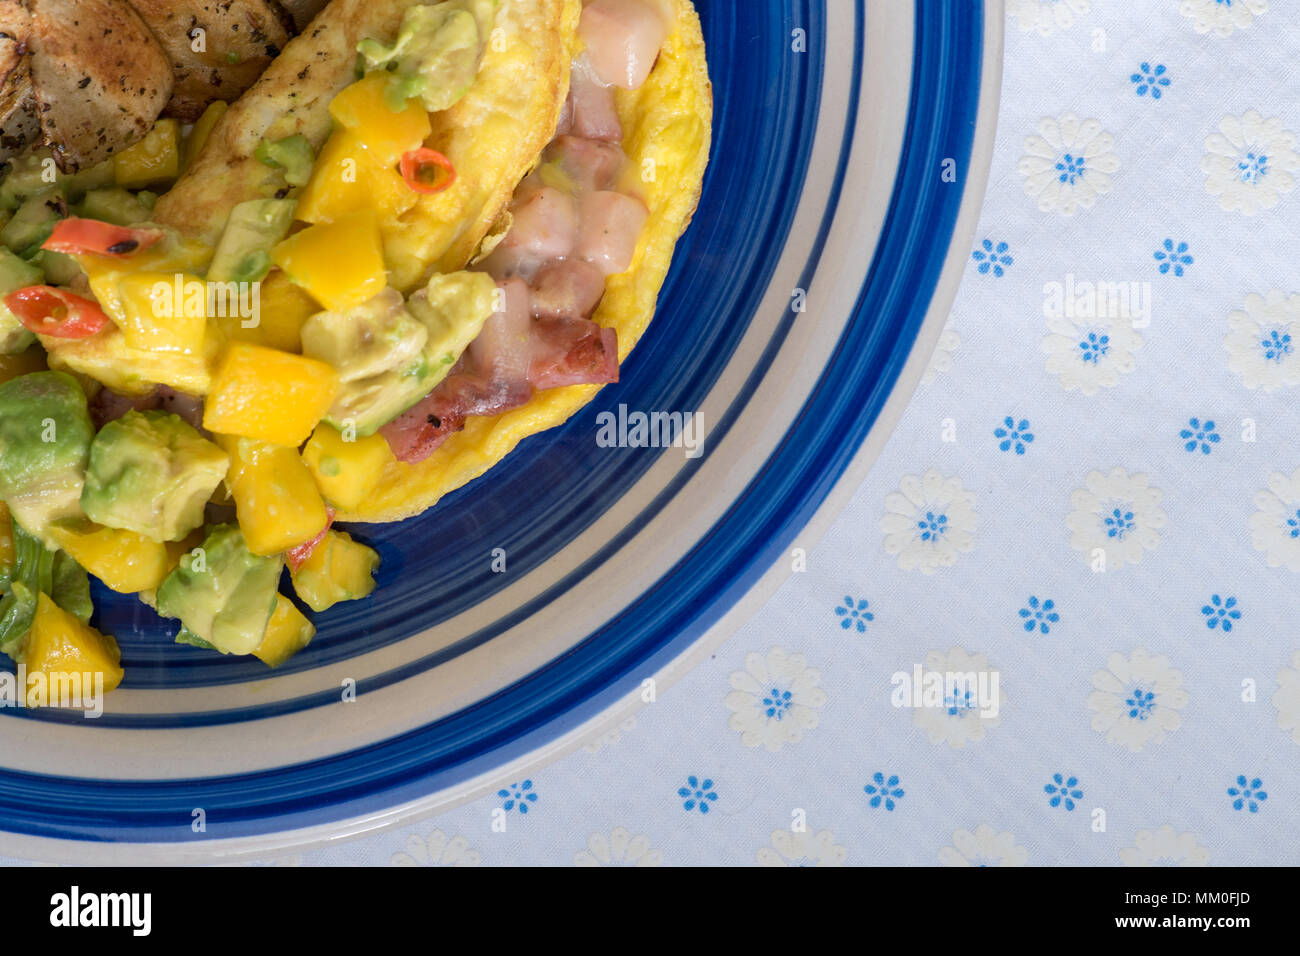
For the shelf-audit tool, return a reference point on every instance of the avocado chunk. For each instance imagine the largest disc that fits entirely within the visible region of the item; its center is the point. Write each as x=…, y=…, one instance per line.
x=33, y=222
x=390, y=354
x=436, y=54
x=293, y=155
x=36, y=173
x=152, y=473
x=45, y=434
x=338, y=569
x=15, y=273
x=254, y=227
x=115, y=205
x=222, y=592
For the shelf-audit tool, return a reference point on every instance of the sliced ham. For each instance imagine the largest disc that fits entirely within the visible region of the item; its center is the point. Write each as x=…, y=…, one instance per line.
x=567, y=289
x=609, y=227
x=591, y=110
x=108, y=405
x=545, y=226
x=187, y=407
x=573, y=352
x=623, y=38
x=588, y=163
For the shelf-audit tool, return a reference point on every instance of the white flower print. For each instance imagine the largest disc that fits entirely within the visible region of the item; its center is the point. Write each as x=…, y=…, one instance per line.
x=618, y=848
x=1089, y=354
x=1249, y=163
x=774, y=699
x=1222, y=18
x=1275, y=526
x=1287, y=698
x=960, y=720
x=1165, y=847
x=1117, y=513
x=984, y=847
x=1262, y=341
x=437, y=849
x=1137, y=700
x=1045, y=16
x=928, y=521
x=1068, y=164
x=941, y=359
x=802, y=849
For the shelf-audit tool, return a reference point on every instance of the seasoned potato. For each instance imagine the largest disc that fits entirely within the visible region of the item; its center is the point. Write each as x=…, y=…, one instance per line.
x=238, y=41
x=100, y=77
x=303, y=11
x=19, y=124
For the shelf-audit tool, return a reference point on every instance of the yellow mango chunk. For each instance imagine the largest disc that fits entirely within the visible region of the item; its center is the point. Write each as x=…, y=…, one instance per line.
x=169, y=257
x=340, y=264
x=276, y=500
x=159, y=315
x=346, y=471
x=386, y=134
x=198, y=137
x=60, y=645
x=283, y=310
x=125, y=561
x=107, y=358
x=347, y=178
x=338, y=569
x=21, y=363
x=287, y=633
x=267, y=394
x=155, y=159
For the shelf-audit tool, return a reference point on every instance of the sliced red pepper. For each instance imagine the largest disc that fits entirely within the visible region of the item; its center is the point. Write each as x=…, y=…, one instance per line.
x=77, y=236
x=296, y=557
x=45, y=310
x=427, y=170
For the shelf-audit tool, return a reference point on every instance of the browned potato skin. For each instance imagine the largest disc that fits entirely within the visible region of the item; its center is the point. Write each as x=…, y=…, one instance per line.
x=20, y=124
x=101, y=79
x=241, y=38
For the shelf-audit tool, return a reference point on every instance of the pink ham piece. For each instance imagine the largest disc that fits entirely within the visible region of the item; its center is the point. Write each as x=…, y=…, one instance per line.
x=623, y=38
x=590, y=108
x=589, y=164
x=609, y=226
x=567, y=289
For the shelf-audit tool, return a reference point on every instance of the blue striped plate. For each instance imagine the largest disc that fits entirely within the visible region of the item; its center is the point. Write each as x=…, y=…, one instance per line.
x=851, y=145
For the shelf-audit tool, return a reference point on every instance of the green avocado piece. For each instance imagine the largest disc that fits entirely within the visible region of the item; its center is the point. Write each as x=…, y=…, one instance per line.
x=223, y=594
x=254, y=227
x=45, y=434
x=293, y=154
x=116, y=205
x=33, y=222
x=36, y=173
x=151, y=473
x=15, y=273
x=436, y=54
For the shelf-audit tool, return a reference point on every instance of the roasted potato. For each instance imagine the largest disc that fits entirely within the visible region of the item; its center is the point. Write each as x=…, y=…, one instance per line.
x=19, y=124
x=303, y=11
x=217, y=48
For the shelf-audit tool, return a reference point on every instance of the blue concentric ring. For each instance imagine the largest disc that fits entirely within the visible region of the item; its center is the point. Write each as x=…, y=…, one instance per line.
x=671, y=614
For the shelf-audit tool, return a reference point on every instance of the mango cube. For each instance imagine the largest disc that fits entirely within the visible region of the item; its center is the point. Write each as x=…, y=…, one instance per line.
x=60, y=645
x=125, y=561
x=346, y=471
x=287, y=633
x=283, y=309
x=198, y=137
x=338, y=569
x=154, y=159
x=385, y=133
x=340, y=264
x=276, y=500
x=346, y=179
x=159, y=315
x=267, y=394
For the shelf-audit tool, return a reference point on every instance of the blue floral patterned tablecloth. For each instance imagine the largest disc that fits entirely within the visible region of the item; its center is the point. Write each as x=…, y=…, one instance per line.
x=1092, y=505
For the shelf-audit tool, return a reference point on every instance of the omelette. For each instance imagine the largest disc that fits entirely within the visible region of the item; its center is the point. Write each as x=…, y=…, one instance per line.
x=426, y=232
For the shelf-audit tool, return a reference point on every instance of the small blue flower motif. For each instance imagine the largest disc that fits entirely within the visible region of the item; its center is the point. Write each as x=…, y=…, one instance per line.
x=1118, y=523
x=1071, y=168
x=1221, y=613
x=1150, y=79
x=932, y=526
x=1063, y=790
x=1173, y=257
x=1276, y=346
x=992, y=258
x=697, y=794
x=518, y=795
x=1039, y=615
x=1014, y=434
x=1140, y=703
x=1247, y=794
x=1253, y=168
x=884, y=791
x=1094, y=347
x=1199, y=434
x=854, y=614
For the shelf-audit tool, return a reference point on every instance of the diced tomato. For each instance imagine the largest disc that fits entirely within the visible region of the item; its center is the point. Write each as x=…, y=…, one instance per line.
x=295, y=557
x=77, y=236
x=427, y=170
x=46, y=310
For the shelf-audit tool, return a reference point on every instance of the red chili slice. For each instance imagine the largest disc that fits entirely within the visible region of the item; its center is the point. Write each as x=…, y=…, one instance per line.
x=77, y=236
x=295, y=557
x=427, y=170
x=45, y=310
